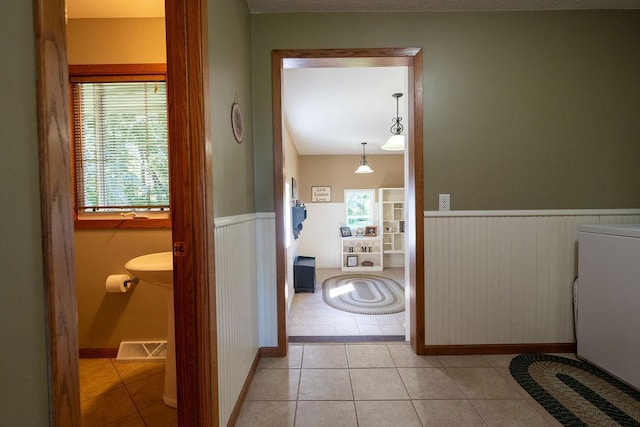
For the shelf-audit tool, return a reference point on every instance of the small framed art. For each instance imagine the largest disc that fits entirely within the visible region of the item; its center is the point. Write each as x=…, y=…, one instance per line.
x=352, y=260
x=321, y=194
x=345, y=231
x=371, y=231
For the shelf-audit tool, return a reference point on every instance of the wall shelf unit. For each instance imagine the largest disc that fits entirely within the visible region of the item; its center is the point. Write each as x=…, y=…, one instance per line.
x=357, y=251
x=391, y=202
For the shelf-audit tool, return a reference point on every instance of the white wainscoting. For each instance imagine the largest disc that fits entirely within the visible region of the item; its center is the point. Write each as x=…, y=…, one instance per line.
x=320, y=236
x=504, y=277
x=245, y=292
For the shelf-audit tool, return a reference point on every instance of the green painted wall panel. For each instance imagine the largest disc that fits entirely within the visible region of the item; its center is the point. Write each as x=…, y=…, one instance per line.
x=523, y=110
x=23, y=363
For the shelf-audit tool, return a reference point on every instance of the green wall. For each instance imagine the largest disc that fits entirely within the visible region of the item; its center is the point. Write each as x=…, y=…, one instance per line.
x=229, y=29
x=523, y=110
x=23, y=363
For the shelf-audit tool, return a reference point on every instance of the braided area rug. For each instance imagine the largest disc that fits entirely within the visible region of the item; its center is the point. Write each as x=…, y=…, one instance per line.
x=363, y=294
x=576, y=393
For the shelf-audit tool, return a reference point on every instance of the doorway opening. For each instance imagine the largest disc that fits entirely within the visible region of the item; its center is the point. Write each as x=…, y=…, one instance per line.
x=191, y=219
x=413, y=241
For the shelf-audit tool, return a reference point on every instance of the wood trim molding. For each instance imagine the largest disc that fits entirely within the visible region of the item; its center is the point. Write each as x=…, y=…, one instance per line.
x=377, y=57
x=415, y=179
x=441, y=350
x=532, y=212
x=245, y=389
x=278, y=180
x=192, y=212
x=88, y=224
x=76, y=70
x=57, y=212
x=98, y=353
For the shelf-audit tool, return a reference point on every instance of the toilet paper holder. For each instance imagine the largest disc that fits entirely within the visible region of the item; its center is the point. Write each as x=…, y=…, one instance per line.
x=132, y=281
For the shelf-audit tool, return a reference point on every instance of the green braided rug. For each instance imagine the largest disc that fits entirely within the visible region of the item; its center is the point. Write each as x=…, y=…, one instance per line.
x=576, y=393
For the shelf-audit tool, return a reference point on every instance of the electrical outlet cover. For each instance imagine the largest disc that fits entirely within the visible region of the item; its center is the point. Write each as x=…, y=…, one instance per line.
x=444, y=202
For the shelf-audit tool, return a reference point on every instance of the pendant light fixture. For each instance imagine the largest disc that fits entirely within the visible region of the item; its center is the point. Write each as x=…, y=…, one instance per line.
x=396, y=142
x=364, y=166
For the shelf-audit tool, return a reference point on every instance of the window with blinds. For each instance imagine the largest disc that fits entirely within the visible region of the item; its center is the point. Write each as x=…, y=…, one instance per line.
x=120, y=146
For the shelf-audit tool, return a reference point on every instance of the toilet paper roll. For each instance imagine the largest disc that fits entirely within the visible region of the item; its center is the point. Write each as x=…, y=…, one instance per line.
x=117, y=283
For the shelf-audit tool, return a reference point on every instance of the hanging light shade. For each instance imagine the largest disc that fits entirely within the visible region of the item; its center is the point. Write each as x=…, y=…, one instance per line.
x=396, y=142
x=364, y=166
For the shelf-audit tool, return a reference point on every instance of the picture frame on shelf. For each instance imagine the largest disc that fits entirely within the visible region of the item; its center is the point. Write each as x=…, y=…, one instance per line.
x=371, y=231
x=352, y=260
x=345, y=231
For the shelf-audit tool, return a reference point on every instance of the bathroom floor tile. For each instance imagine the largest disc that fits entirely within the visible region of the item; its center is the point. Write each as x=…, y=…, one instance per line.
x=133, y=420
x=160, y=415
x=386, y=413
x=97, y=376
x=107, y=408
x=147, y=391
x=133, y=371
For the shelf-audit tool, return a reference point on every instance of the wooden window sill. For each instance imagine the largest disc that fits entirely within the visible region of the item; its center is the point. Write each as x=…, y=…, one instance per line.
x=125, y=223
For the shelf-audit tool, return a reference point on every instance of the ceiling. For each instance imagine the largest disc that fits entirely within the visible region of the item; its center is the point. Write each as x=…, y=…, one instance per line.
x=155, y=8
x=333, y=110
x=268, y=6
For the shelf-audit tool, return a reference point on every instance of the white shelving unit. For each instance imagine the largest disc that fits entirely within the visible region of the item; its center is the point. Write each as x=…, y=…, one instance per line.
x=356, y=250
x=391, y=201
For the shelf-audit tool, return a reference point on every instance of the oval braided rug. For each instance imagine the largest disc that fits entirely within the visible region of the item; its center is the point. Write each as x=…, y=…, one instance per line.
x=576, y=393
x=363, y=294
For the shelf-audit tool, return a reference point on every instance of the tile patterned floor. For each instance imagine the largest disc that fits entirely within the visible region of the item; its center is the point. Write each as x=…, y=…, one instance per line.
x=123, y=394
x=386, y=384
x=311, y=316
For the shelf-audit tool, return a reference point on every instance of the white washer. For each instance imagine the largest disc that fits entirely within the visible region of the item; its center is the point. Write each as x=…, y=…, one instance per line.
x=608, y=324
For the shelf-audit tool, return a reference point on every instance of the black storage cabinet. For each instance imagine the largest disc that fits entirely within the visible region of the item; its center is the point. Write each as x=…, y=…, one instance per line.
x=304, y=274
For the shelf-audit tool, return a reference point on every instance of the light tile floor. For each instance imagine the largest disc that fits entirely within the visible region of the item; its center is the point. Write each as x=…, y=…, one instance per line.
x=386, y=384
x=123, y=394
x=311, y=316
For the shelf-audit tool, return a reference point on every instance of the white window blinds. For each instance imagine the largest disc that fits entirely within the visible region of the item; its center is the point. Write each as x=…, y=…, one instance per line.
x=120, y=146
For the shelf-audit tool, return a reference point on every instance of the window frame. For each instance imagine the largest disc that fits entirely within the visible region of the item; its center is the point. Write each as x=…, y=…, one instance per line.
x=102, y=73
x=372, y=215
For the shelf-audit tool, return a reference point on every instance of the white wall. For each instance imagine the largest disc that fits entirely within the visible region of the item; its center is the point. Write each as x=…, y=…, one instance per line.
x=503, y=277
x=320, y=236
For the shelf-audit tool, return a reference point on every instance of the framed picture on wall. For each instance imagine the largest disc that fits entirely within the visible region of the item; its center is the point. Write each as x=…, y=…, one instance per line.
x=321, y=194
x=294, y=188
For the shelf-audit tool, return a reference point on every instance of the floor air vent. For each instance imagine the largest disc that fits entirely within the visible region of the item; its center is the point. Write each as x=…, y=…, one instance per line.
x=142, y=351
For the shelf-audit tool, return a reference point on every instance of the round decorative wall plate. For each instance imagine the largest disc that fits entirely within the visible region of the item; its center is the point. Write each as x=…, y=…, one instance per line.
x=236, y=122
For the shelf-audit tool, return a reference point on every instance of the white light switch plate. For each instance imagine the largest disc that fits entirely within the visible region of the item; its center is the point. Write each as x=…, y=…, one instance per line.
x=443, y=202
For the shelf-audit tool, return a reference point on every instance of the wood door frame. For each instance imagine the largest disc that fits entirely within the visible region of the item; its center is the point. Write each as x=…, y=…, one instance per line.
x=191, y=211
x=316, y=58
